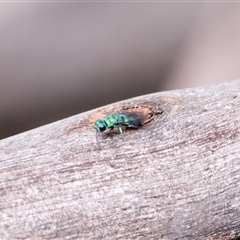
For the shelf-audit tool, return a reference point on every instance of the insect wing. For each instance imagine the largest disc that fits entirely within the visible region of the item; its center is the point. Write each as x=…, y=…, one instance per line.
x=131, y=119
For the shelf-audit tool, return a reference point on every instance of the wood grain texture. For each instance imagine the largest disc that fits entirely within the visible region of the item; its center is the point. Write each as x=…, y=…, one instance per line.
x=178, y=177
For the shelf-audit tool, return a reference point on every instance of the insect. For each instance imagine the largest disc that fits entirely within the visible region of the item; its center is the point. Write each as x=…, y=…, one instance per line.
x=127, y=120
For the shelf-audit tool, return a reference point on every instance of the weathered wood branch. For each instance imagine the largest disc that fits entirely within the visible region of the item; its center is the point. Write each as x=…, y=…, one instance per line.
x=178, y=177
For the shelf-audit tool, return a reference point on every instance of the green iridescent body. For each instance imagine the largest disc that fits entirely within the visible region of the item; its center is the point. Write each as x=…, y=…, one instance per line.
x=109, y=122
x=129, y=120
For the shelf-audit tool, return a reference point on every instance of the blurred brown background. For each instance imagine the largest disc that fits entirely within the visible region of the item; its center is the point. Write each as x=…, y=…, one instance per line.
x=59, y=59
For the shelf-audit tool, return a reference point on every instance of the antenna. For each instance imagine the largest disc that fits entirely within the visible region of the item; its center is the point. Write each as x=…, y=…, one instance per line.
x=99, y=147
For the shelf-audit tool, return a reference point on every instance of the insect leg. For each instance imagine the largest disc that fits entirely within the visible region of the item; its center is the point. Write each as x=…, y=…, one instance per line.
x=120, y=129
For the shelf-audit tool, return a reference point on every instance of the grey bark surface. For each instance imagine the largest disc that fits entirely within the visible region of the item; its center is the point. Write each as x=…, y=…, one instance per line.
x=177, y=177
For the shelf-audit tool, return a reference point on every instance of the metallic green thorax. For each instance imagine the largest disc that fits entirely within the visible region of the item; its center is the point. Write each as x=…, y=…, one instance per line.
x=109, y=122
x=118, y=121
